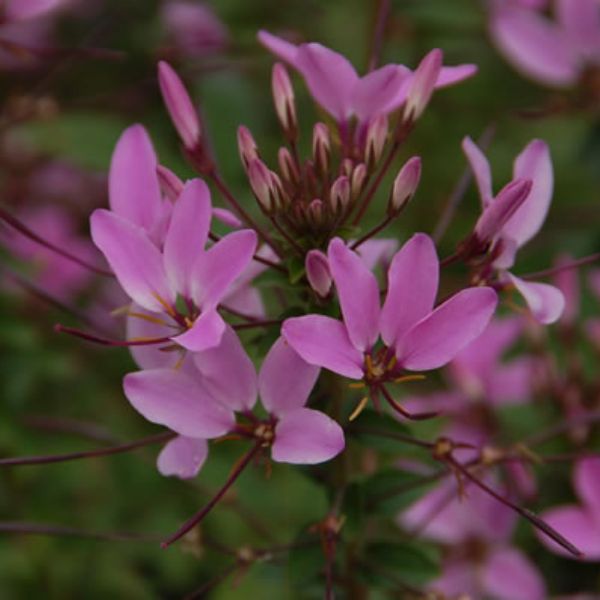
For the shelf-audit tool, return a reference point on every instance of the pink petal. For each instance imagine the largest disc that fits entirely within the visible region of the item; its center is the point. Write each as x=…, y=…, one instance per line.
x=378, y=92
x=412, y=287
x=581, y=21
x=377, y=252
x=452, y=75
x=16, y=10
x=587, y=483
x=511, y=383
x=330, y=78
x=205, y=333
x=227, y=372
x=307, y=437
x=173, y=399
x=219, y=267
x=135, y=260
x=187, y=234
x=246, y=300
x=133, y=187
x=285, y=380
x=533, y=163
x=437, y=338
x=545, y=301
x=279, y=47
x=358, y=294
x=182, y=457
x=535, y=46
x=458, y=577
x=509, y=575
x=578, y=526
x=480, y=168
x=226, y=217
x=324, y=342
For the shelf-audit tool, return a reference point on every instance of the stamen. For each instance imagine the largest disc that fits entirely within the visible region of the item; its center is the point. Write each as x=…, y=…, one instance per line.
x=359, y=408
x=149, y=318
x=168, y=308
x=406, y=378
x=357, y=385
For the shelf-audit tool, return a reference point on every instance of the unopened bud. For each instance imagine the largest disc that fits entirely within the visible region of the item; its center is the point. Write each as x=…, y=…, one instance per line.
x=261, y=182
x=346, y=167
x=170, y=184
x=318, y=273
x=377, y=133
x=405, y=185
x=283, y=96
x=315, y=211
x=339, y=195
x=287, y=166
x=422, y=85
x=321, y=147
x=357, y=182
x=501, y=209
x=179, y=104
x=246, y=146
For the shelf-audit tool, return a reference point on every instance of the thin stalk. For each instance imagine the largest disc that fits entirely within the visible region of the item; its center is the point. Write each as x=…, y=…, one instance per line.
x=373, y=232
x=59, y=328
x=381, y=16
x=580, y=262
x=233, y=476
x=24, y=230
x=253, y=324
x=23, y=461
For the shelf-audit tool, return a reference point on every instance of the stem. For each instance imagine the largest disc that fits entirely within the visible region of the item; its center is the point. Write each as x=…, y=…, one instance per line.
x=375, y=185
x=383, y=11
x=225, y=191
x=59, y=328
x=62, y=531
x=253, y=324
x=54, y=458
x=24, y=230
x=288, y=238
x=195, y=519
x=401, y=437
x=586, y=260
x=524, y=512
x=372, y=232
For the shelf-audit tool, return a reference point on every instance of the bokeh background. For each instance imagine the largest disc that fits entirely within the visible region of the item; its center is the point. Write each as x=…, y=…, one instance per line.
x=62, y=107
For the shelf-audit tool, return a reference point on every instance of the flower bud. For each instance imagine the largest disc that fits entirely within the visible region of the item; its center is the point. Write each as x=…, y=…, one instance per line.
x=287, y=166
x=315, y=212
x=339, y=195
x=283, y=96
x=170, y=184
x=246, y=146
x=346, y=167
x=321, y=148
x=261, y=182
x=377, y=132
x=405, y=185
x=359, y=176
x=422, y=85
x=179, y=104
x=317, y=272
x=501, y=209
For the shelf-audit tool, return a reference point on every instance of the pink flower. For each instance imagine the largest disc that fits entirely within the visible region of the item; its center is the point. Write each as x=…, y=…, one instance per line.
x=203, y=397
x=579, y=523
x=416, y=336
x=154, y=275
x=546, y=302
x=335, y=85
x=20, y=10
x=481, y=562
x=553, y=53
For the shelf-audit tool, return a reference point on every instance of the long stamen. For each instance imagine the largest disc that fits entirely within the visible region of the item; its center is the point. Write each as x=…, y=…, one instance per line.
x=24, y=230
x=397, y=407
x=195, y=519
x=407, y=378
x=359, y=408
x=90, y=337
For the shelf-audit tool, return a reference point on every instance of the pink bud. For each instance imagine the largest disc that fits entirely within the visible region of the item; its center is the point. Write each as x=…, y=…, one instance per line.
x=317, y=272
x=246, y=145
x=357, y=182
x=405, y=185
x=179, y=104
x=287, y=166
x=315, y=211
x=376, y=138
x=422, y=85
x=170, y=184
x=261, y=184
x=501, y=209
x=339, y=195
x=346, y=167
x=283, y=96
x=321, y=147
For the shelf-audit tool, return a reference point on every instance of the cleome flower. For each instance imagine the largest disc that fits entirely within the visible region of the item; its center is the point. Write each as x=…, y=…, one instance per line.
x=199, y=402
x=416, y=337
